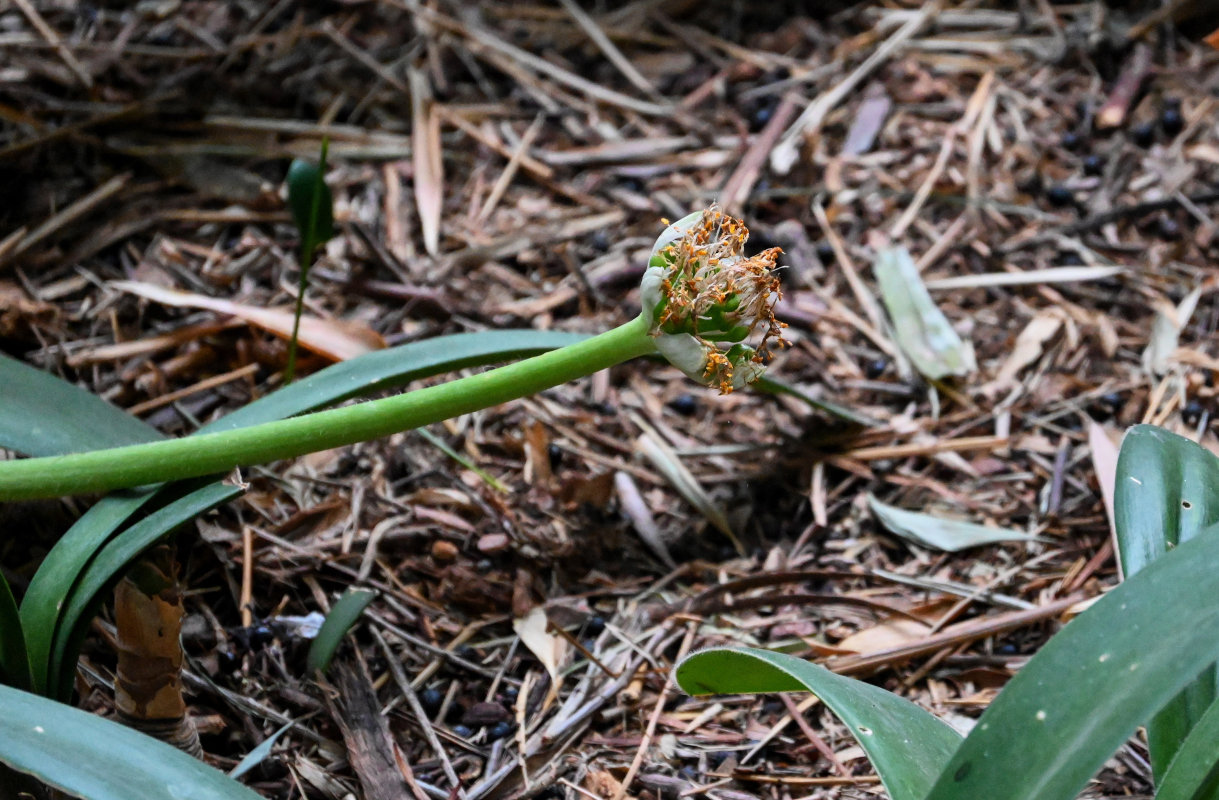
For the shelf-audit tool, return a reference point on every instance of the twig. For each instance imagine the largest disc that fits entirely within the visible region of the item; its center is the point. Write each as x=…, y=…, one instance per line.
x=650, y=732
x=784, y=155
x=412, y=699
x=48, y=33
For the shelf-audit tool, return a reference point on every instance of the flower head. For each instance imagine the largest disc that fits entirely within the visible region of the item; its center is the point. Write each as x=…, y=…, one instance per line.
x=700, y=292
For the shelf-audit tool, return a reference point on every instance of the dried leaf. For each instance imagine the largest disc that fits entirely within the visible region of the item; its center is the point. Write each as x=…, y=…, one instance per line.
x=869, y=119
x=891, y=633
x=1029, y=345
x=1104, y=461
x=1165, y=331
x=429, y=169
x=636, y=509
x=940, y=533
x=923, y=332
x=533, y=628
x=338, y=340
x=669, y=464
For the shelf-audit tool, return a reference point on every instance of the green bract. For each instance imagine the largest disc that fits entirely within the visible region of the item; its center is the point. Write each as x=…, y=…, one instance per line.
x=700, y=293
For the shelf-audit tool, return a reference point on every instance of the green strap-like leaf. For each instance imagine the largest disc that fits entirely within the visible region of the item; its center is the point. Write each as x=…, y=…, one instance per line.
x=46, y=416
x=1075, y=702
x=340, y=619
x=907, y=745
x=87, y=756
x=58, y=573
x=109, y=564
x=1194, y=772
x=1166, y=491
x=14, y=660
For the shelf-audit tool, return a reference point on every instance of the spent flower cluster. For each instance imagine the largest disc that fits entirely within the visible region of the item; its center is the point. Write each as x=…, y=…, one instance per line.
x=702, y=298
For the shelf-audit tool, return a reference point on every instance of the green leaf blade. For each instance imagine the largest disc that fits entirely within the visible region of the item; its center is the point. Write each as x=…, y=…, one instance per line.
x=14, y=659
x=109, y=564
x=46, y=416
x=1194, y=771
x=1165, y=493
x=87, y=756
x=393, y=367
x=311, y=203
x=338, y=622
x=1075, y=702
x=57, y=575
x=907, y=745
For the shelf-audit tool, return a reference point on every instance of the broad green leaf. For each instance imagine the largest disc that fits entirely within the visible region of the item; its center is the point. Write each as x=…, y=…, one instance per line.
x=14, y=661
x=907, y=745
x=940, y=533
x=45, y=415
x=342, y=616
x=108, y=566
x=923, y=332
x=1075, y=702
x=86, y=756
x=1166, y=491
x=1193, y=773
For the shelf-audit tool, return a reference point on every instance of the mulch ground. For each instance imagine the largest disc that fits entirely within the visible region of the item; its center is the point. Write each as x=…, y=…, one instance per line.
x=1051, y=168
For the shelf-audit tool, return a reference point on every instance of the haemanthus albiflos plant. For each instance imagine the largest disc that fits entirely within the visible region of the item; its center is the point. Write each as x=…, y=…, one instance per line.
x=701, y=297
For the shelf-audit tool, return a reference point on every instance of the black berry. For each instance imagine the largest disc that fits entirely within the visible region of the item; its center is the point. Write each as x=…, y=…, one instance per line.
x=684, y=404
x=499, y=730
x=594, y=625
x=1059, y=196
x=875, y=368
x=462, y=731
x=1143, y=134
x=1094, y=165
x=431, y=700
x=1072, y=141
x=1170, y=117
x=1192, y=412
x=1167, y=228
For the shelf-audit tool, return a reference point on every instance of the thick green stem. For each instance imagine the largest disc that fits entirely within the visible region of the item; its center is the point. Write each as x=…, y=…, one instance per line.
x=215, y=453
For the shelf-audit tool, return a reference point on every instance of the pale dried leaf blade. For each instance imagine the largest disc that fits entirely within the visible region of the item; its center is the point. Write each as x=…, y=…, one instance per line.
x=550, y=650
x=940, y=533
x=637, y=511
x=335, y=339
x=888, y=634
x=669, y=465
x=1165, y=331
x=1029, y=345
x=429, y=172
x=1104, y=461
x=923, y=332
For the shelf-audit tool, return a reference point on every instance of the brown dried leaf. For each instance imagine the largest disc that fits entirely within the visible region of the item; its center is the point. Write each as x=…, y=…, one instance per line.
x=335, y=339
